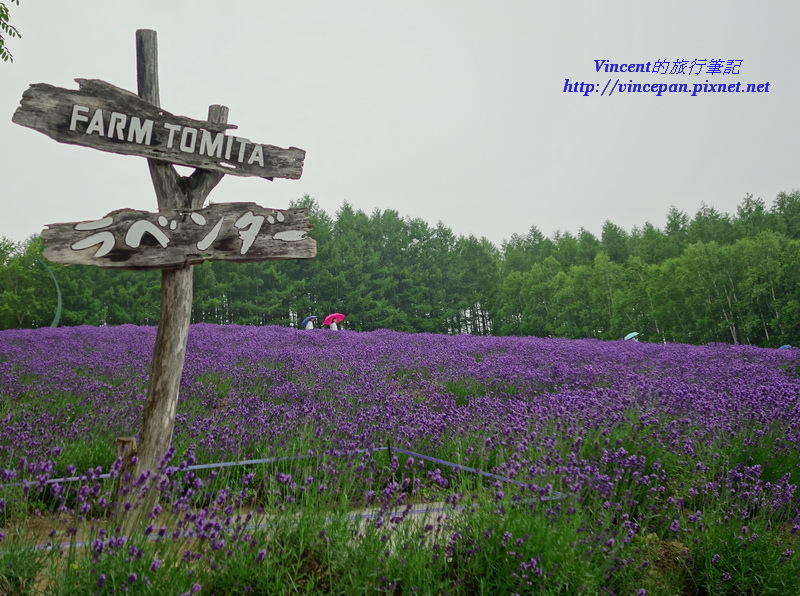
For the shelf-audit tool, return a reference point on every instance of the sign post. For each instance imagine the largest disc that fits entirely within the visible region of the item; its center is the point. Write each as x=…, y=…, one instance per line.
x=182, y=232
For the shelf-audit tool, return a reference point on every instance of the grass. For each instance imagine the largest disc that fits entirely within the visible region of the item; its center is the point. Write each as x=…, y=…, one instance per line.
x=655, y=502
x=249, y=528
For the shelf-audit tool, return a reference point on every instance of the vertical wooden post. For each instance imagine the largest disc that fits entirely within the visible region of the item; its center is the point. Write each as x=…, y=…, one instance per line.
x=44, y=107
x=173, y=192
x=126, y=449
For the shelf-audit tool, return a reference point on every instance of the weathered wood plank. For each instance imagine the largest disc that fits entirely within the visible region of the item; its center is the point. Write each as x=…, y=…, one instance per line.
x=104, y=117
x=133, y=239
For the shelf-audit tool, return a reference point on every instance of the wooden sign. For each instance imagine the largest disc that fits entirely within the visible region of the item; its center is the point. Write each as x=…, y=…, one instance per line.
x=131, y=239
x=105, y=117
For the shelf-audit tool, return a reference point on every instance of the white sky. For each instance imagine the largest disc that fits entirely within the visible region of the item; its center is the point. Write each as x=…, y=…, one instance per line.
x=446, y=110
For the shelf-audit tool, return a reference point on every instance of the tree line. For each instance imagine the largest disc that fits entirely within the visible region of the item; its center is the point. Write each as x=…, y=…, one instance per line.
x=710, y=277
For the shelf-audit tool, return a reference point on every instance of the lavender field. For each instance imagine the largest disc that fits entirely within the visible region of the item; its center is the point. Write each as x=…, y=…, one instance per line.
x=607, y=467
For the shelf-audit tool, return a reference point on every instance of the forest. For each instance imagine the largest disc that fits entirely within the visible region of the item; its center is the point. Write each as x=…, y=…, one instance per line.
x=701, y=278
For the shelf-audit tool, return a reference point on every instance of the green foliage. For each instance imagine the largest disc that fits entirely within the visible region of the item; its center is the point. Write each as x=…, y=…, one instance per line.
x=713, y=277
x=635, y=517
x=20, y=566
x=27, y=294
x=6, y=29
x=741, y=557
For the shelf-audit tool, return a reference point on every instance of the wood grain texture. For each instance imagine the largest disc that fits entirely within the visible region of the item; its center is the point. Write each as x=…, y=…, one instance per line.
x=169, y=239
x=166, y=370
x=177, y=291
x=197, y=143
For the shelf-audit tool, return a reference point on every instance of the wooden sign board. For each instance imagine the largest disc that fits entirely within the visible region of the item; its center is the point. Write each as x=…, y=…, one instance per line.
x=131, y=239
x=105, y=117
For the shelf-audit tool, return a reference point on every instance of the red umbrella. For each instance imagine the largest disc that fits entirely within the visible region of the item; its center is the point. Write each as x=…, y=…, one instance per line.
x=336, y=317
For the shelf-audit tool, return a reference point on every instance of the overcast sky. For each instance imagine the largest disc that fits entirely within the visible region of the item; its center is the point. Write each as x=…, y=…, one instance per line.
x=444, y=110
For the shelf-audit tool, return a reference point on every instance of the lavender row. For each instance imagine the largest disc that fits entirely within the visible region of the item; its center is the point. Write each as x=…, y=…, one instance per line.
x=251, y=391
x=656, y=450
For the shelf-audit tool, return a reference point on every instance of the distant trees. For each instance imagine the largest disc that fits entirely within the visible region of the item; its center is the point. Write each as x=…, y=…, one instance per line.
x=27, y=295
x=710, y=277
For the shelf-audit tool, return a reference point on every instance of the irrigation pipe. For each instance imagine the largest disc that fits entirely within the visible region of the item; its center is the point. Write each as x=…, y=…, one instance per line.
x=270, y=460
x=555, y=495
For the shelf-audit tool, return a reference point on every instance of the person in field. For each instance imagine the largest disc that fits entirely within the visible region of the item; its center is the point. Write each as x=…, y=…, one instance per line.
x=333, y=320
